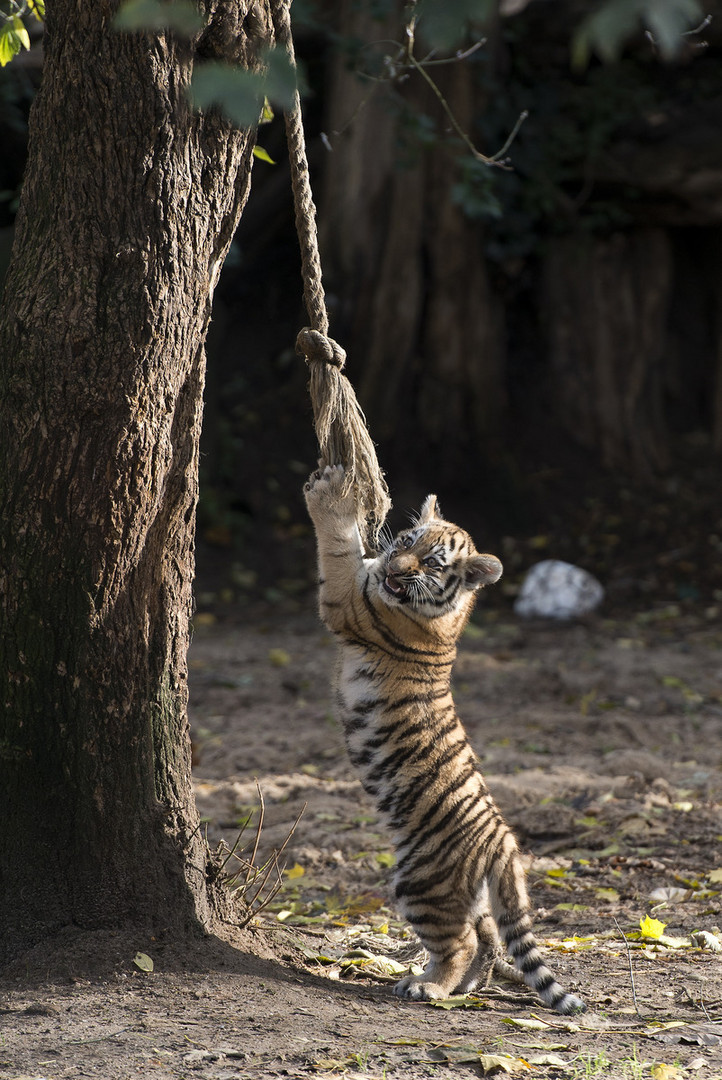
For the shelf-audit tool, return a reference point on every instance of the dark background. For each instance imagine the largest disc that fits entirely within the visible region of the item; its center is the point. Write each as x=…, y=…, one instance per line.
x=541, y=345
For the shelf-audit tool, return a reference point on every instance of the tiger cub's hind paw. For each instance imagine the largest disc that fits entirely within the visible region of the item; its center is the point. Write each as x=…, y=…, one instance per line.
x=415, y=989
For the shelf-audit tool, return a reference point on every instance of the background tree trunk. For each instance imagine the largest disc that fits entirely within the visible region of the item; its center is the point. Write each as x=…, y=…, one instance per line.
x=561, y=308
x=129, y=206
x=405, y=265
x=607, y=302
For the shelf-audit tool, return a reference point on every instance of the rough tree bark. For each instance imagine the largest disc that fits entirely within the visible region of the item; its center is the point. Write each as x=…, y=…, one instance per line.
x=128, y=209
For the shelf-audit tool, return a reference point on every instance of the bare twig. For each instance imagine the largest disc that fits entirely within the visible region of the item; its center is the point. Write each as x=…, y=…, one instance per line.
x=398, y=68
x=456, y=58
x=631, y=971
x=255, y=892
x=232, y=851
x=261, y=816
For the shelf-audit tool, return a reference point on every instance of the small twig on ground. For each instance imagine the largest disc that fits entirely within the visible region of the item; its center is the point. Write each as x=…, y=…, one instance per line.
x=631, y=971
x=96, y=1038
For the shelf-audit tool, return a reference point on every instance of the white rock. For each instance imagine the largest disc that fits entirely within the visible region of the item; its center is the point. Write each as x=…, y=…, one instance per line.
x=557, y=590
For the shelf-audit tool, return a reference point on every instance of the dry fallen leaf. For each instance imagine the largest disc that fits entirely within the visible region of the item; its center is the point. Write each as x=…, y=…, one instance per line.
x=705, y=940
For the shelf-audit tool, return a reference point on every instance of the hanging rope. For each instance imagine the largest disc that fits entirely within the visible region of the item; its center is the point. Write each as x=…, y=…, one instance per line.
x=340, y=424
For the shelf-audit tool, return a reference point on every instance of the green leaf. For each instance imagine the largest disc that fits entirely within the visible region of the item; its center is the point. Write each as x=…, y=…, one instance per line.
x=143, y=961
x=37, y=8
x=13, y=37
x=280, y=79
x=179, y=15
x=243, y=95
x=669, y=20
x=23, y=36
x=263, y=155
x=527, y=1025
x=607, y=30
x=444, y=24
x=237, y=92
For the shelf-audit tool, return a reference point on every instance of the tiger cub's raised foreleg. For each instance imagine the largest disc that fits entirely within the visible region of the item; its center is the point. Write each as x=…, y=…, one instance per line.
x=339, y=547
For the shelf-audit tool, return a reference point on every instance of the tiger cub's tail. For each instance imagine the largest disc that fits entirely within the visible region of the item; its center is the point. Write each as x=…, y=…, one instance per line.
x=517, y=935
x=510, y=906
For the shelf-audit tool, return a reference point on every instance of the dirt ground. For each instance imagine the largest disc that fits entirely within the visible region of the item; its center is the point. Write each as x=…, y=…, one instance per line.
x=602, y=742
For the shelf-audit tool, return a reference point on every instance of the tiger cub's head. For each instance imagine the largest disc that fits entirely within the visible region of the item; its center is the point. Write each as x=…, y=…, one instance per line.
x=434, y=567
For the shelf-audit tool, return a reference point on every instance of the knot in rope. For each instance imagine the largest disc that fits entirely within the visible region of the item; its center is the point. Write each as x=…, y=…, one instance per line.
x=315, y=346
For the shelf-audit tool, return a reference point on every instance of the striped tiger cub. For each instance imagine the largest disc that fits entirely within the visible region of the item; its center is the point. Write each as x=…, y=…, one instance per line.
x=459, y=880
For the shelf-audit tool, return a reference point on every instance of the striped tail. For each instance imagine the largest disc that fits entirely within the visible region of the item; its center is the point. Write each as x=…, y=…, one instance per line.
x=517, y=935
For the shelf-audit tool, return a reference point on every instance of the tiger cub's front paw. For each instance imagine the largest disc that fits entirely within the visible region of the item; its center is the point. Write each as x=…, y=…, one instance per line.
x=324, y=492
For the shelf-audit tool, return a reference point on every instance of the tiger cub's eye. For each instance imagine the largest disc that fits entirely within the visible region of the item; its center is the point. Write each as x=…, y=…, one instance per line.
x=432, y=562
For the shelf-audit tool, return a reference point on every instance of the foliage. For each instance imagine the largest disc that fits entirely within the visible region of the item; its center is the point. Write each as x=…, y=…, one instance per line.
x=607, y=29
x=240, y=93
x=13, y=34
x=444, y=24
x=182, y=16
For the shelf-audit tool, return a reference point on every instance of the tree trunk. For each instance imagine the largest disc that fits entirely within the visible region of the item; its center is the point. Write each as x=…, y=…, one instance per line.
x=607, y=302
x=406, y=266
x=128, y=209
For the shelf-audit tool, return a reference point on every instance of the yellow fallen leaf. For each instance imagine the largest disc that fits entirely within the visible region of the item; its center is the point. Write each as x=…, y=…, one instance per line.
x=279, y=657
x=294, y=872
x=716, y=876
x=501, y=1062
x=528, y=1025
x=610, y=895
x=666, y=1072
x=651, y=928
x=143, y=962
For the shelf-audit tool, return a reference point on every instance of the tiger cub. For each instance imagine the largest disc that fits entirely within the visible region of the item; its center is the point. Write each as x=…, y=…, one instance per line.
x=459, y=880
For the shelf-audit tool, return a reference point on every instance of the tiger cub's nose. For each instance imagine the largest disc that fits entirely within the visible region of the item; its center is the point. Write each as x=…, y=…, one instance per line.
x=403, y=563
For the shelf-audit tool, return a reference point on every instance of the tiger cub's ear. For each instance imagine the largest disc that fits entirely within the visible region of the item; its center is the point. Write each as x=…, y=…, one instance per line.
x=429, y=510
x=482, y=570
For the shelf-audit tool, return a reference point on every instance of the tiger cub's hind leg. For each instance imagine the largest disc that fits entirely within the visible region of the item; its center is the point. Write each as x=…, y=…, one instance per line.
x=449, y=962
x=488, y=948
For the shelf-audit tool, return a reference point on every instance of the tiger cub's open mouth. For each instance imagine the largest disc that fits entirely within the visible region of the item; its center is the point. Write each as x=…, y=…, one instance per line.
x=394, y=587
